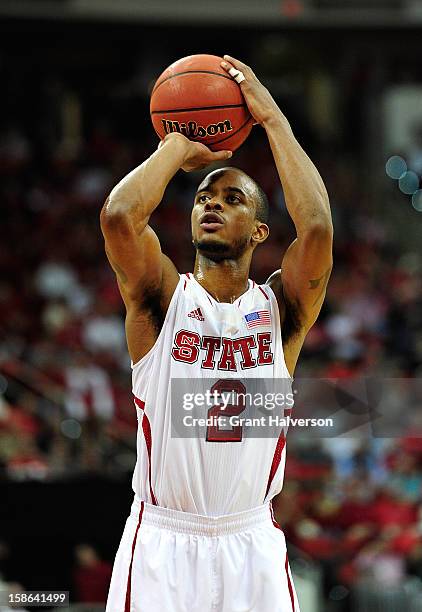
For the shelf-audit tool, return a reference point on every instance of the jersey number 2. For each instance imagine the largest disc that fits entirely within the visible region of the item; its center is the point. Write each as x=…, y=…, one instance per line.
x=234, y=434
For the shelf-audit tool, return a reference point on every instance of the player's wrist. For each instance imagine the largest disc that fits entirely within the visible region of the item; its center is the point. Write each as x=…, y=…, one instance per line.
x=177, y=142
x=276, y=120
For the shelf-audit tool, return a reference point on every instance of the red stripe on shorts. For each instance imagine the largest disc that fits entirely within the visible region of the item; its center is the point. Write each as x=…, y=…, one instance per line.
x=146, y=428
x=289, y=583
x=129, y=577
x=286, y=564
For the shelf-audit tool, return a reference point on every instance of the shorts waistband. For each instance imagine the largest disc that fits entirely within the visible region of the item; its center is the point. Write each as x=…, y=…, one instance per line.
x=197, y=524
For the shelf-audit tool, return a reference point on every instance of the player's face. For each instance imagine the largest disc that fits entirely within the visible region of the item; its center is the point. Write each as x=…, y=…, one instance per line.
x=223, y=214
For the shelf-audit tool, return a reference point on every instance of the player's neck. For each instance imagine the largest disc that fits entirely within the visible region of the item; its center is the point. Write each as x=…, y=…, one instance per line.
x=224, y=280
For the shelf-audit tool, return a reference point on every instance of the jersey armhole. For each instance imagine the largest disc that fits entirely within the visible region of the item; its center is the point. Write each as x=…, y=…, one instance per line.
x=169, y=309
x=274, y=306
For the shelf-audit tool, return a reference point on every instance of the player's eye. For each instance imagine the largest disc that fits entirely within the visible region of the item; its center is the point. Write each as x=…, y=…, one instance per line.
x=233, y=199
x=202, y=198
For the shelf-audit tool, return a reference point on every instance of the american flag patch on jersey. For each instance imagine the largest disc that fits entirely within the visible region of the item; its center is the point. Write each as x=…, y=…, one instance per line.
x=260, y=317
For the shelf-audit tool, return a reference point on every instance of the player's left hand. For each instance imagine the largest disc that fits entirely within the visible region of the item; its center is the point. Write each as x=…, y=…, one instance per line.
x=261, y=104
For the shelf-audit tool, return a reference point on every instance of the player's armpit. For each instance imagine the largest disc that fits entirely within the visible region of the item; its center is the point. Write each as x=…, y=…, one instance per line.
x=145, y=315
x=305, y=272
x=301, y=283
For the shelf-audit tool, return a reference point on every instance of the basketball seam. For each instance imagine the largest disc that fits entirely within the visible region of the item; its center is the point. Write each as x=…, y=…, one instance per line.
x=224, y=76
x=197, y=108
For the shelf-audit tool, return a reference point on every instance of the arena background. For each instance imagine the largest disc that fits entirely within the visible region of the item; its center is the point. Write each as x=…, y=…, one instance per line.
x=75, y=79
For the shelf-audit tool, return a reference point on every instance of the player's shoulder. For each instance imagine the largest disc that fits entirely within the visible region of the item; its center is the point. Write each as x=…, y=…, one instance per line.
x=274, y=281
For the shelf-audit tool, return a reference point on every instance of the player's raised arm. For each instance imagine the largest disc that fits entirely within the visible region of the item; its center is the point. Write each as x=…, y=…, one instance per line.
x=131, y=245
x=145, y=276
x=306, y=265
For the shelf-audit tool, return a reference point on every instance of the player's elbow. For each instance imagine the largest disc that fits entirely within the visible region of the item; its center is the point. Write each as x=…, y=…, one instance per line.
x=114, y=218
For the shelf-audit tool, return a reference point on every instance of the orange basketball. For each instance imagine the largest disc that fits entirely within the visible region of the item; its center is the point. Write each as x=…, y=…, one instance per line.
x=196, y=97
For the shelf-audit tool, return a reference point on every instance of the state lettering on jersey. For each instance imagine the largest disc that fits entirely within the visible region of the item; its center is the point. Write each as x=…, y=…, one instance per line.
x=210, y=344
x=220, y=353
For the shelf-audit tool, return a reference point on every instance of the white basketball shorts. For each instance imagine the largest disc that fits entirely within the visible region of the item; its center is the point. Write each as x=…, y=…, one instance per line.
x=172, y=561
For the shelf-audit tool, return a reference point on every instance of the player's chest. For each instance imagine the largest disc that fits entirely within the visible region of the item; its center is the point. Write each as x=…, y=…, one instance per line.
x=225, y=338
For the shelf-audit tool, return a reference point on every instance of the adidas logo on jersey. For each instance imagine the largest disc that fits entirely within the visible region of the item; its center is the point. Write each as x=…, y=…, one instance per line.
x=196, y=314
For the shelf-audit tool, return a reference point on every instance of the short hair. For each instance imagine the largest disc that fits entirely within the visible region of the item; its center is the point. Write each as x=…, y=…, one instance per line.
x=262, y=212
x=262, y=204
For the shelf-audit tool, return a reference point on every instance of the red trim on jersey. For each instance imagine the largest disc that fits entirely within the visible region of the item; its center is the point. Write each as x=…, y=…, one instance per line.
x=188, y=275
x=139, y=402
x=276, y=459
x=184, y=286
x=254, y=283
x=146, y=428
x=289, y=583
x=129, y=577
x=262, y=291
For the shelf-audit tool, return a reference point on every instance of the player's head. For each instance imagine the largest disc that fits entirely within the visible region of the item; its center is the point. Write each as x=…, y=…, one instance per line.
x=229, y=215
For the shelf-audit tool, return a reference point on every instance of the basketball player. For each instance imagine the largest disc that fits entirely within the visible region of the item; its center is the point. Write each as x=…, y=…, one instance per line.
x=201, y=535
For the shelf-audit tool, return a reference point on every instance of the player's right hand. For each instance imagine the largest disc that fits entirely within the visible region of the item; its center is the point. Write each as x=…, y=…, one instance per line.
x=197, y=155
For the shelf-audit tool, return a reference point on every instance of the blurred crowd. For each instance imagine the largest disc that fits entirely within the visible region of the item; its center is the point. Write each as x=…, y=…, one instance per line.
x=65, y=401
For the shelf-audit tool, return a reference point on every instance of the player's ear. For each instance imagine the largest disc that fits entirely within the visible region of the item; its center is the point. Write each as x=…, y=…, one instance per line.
x=260, y=233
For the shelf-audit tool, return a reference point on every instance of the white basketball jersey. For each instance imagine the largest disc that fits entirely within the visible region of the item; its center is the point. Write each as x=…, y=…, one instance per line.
x=218, y=472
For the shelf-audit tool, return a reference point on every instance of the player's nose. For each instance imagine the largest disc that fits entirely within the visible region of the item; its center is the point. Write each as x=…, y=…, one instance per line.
x=214, y=204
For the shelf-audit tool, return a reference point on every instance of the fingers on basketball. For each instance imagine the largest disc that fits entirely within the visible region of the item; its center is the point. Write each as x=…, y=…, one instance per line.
x=223, y=154
x=247, y=71
x=217, y=155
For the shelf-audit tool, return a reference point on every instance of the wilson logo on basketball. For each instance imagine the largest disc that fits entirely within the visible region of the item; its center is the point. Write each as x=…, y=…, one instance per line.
x=191, y=129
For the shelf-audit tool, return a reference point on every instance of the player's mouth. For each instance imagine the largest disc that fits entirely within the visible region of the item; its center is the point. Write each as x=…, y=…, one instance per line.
x=210, y=222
